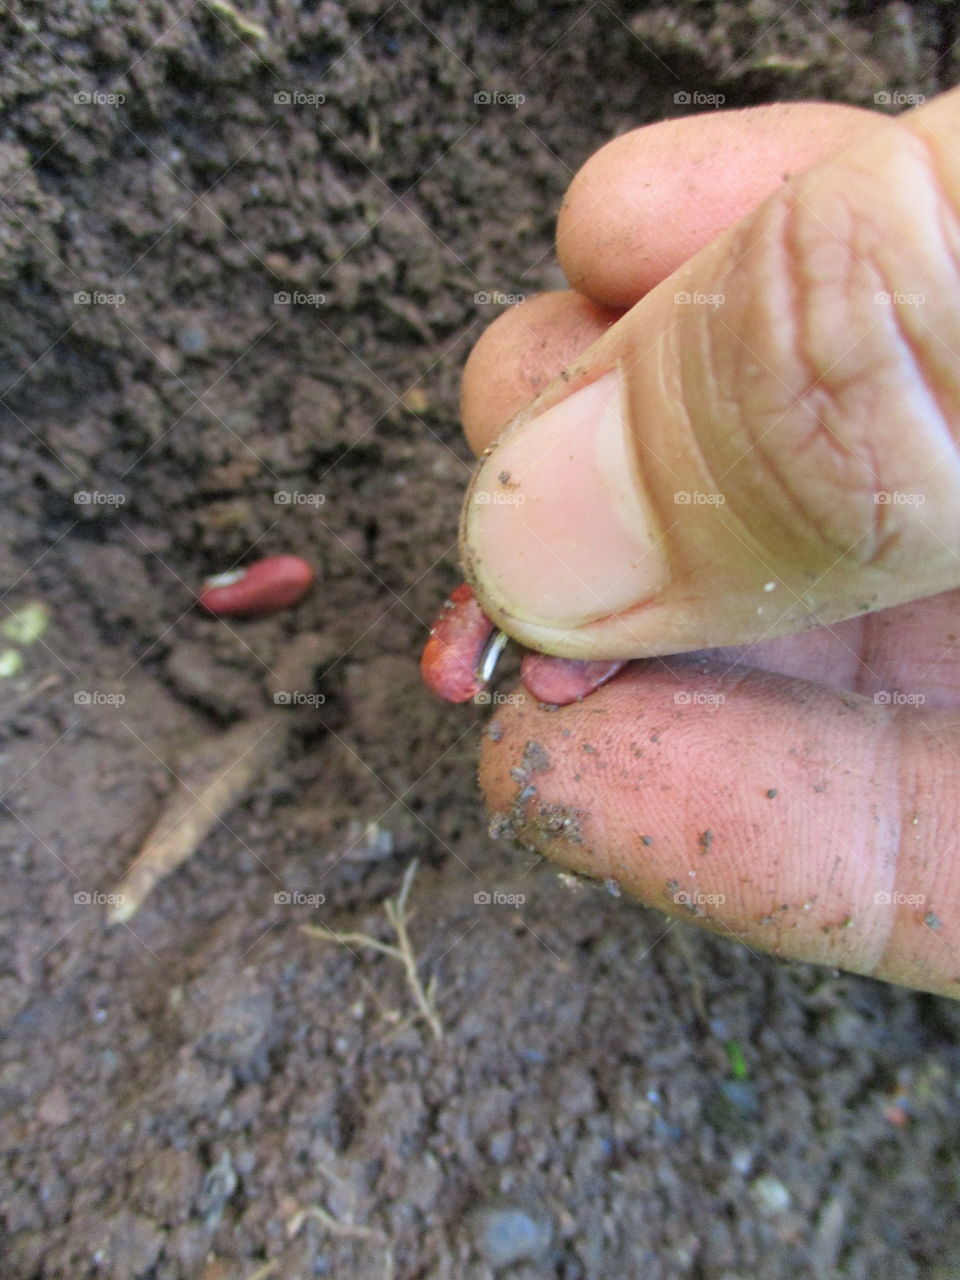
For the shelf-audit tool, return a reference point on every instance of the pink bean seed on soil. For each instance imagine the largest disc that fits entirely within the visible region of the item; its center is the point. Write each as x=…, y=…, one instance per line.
x=265, y=587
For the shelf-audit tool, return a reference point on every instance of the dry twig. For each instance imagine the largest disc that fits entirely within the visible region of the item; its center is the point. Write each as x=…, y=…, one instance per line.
x=332, y=1224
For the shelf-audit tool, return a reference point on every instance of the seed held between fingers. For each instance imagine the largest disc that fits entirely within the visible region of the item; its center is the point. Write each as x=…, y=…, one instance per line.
x=459, y=658
x=453, y=654
x=560, y=681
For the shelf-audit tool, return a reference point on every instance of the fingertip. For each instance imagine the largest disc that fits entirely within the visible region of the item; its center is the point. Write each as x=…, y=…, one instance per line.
x=646, y=202
x=762, y=807
x=520, y=353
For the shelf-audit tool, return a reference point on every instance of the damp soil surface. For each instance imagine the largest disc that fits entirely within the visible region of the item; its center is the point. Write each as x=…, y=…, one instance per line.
x=243, y=254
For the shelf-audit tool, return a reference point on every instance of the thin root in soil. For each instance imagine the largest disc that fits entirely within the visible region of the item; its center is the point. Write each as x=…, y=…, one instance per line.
x=217, y=778
x=398, y=916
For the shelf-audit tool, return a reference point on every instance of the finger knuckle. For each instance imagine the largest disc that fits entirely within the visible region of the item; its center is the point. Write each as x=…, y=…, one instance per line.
x=835, y=368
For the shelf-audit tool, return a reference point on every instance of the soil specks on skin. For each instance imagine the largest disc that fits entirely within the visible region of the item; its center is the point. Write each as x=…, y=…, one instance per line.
x=500, y=826
x=494, y=731
x=579, y=880
x=535, y=758
x=560, y=820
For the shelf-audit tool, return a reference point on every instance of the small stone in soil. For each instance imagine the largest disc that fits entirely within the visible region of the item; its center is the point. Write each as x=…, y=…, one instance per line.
x=509, y=1231
x=771, y=1196
x=192, y=339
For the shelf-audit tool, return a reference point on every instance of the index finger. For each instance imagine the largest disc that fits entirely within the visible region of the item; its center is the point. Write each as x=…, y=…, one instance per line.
x=649, y=200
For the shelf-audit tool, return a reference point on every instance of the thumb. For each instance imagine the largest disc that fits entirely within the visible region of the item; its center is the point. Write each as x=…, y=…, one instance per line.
x=766, y=442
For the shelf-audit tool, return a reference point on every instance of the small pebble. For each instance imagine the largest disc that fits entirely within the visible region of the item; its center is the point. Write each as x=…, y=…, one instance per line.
x=509, y=1231
x=771, y=1195
x=54, y=1108
x=741, y=1159
x=732, y=1107
x=501, y=1145
x=219, y=1184
x=192, y=339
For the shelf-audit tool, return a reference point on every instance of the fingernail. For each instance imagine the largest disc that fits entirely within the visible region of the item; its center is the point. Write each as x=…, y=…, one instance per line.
x=559, y=531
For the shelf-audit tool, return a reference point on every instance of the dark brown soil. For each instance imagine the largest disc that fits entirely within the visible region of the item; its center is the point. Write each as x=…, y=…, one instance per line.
x=177, y=1092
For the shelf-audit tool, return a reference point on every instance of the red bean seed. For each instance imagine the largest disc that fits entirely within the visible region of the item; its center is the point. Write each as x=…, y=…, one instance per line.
x=265, y=587
x=559, y=681
x=453, y=652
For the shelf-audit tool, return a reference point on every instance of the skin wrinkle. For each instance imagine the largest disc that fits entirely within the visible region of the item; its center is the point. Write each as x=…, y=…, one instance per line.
x=912, y=354
x=757, y=440
x=704, y=369
x=822, y=390
x=882, y=542
x=942, y=203
x=819, y=390
x=899, y=808
x=911, y=351
x=669, y=358
x=945, y=207
x=705, y=372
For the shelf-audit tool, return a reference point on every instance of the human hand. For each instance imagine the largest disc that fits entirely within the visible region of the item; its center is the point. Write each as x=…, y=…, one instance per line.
x=795, y=374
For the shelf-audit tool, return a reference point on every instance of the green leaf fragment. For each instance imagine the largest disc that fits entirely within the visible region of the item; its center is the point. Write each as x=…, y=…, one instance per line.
x=11, y=664
x=26, y=624
x=738, y=1063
